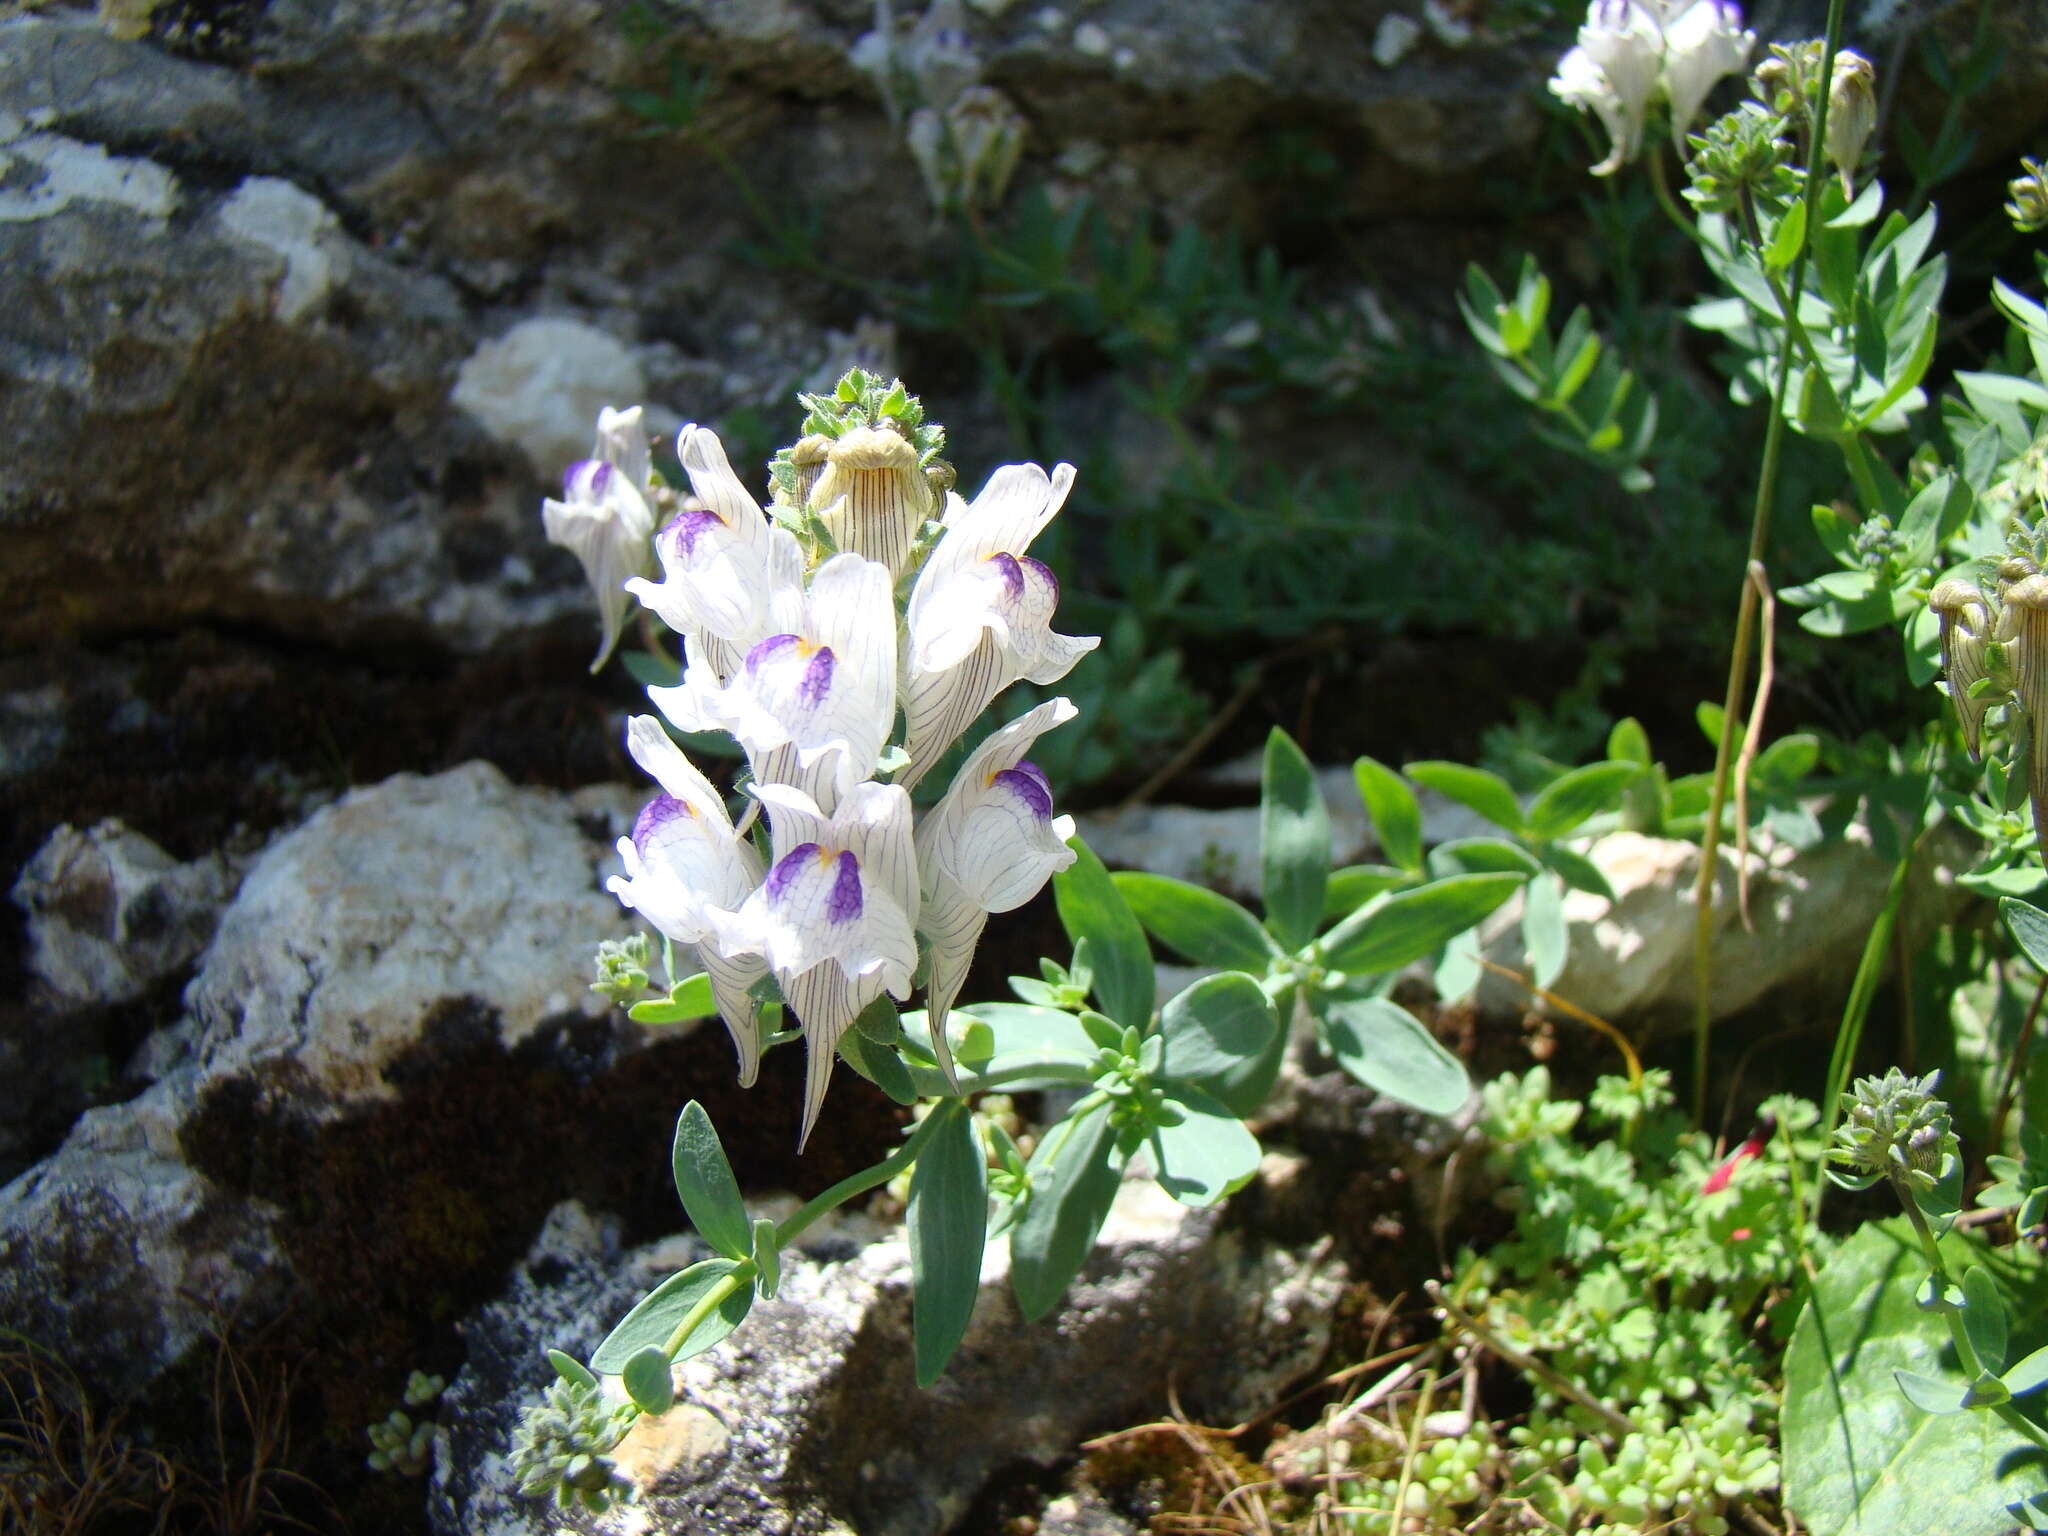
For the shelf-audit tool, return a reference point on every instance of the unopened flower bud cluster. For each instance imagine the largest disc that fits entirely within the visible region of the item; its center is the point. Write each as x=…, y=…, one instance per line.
x=1894, y=1127
x=867, y=587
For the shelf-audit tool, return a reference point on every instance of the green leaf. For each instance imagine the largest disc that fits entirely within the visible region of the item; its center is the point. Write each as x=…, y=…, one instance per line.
x=948, y=1228
x=1931, y=1394
x=1355, y=884
x=1220, y=1034
x=647, y=1380
x=1385, y=1047
x=1073, y=1181
x=1544, y=932
x=768, y=1254
x=1294, y=842
x=663, y=1309
x=570, y=1369
x=1473, y=788
x=710, y=1195
x=2028, y=1375
x=1208, y=1154
x=1578, y=871
x=1482, y=856
x=1092, y=908
x=1984, y=1316
x=1583, y=792
x=1788, y=239
x=1396, y=818
x=879, y=1064
x=1410, y=924
x=1206, y=927
x=1858, y=1459
x=2028, y=926
x=688, y=999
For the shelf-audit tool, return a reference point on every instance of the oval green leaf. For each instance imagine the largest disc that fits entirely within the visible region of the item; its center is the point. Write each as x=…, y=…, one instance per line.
x=688, y=999
x=1385, y=1047
x=947, y=1228
x=1294, y=842
x=1092, y=908
x=1410, y=924
x=1569, y=800
x=1221, y=1035
x=1208, y=1154
x=1396, y=817
x=663, y=1309
x=647, y=1381
x=1544, y=933
x=1073, y=1182
x=1473, y=788
x=704, y=1181
x=1208, y=928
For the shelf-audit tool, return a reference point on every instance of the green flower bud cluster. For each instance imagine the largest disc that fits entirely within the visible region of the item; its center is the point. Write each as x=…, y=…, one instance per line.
x=1679, y=1476
x=1516, y=1111
x=622, y=969
x=1894, y=1127
x=2028, y=209
x=1447, y=1476
x=399, y=1444
x=563, y=1443
x=1745, y=151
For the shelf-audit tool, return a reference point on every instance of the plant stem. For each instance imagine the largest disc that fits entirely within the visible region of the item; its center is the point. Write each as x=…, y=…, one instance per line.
x=1746, y=611
x=1849, y=1034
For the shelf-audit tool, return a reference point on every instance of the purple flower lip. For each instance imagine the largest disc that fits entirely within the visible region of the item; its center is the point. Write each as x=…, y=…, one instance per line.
x=767, y=650
x=656, y=816
x=1030, y=788
x=683, y=530
x=844, y=903
x=789, y=869
x=1025, y=765
x=1044, y=573
x=1013, y=574
x=586, y=478
x=817, y=678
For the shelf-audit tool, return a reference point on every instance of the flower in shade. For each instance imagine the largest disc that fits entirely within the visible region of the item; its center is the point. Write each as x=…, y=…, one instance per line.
x=872, y=496
x=1632, y=52
x=989, y=846
x=813, y=701
x=687, y=872
x=1852, y=114
x=603, y=518
x=980, y=614
x=722, y=560
x=835, y=918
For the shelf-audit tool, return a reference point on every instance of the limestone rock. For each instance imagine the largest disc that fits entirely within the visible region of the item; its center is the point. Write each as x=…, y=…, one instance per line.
x=808, y=1419
x=541, y=385
x=350, y=929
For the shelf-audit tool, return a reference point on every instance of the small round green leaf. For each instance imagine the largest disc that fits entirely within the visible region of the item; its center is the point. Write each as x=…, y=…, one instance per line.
x=665, y=1307
x=1220, y=1034
x=647, y=1380
x=1207, y=1154
x=1385, y=1047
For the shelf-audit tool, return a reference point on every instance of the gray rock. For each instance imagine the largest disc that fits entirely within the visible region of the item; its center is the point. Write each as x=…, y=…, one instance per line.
x=808, y=1419
x=111, y=915
x=351, y=936
x=349, y=930
x=541, y=385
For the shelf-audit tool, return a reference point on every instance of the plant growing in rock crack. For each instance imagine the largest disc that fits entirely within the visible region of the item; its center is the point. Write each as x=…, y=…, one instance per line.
x=867, y=588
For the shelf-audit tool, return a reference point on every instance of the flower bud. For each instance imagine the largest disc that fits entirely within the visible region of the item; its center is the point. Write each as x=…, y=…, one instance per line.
x=872, y=496
x=2028, y=209
x=2026, y=622
x=807, y=457
x=1965, y=633
x=1894, y=1127
x=1852, y=114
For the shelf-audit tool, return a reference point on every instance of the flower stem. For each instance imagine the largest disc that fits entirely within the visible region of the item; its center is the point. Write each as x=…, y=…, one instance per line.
x=1746, y=610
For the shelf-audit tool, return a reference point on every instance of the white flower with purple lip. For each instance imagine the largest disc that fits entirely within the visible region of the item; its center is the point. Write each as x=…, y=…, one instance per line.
x=687, y=872
x=835, y=919
x=989, y=846
x=815, y=700
x=1631, y=51
x=1703, y=41
x=602, y=519
x=722, y=560
x=980, y=615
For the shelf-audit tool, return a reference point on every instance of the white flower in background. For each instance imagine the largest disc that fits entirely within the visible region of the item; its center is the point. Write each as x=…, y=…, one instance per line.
x=1632, y=52
x=980, y=615
x=835, y=919
x=603, y=517
x=1852, y=114
x=722, y=560
x=968, y=153
x=813, y=702
x=989, y=846
x=1703, y=42
x=687, y=872
x=873, y=497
